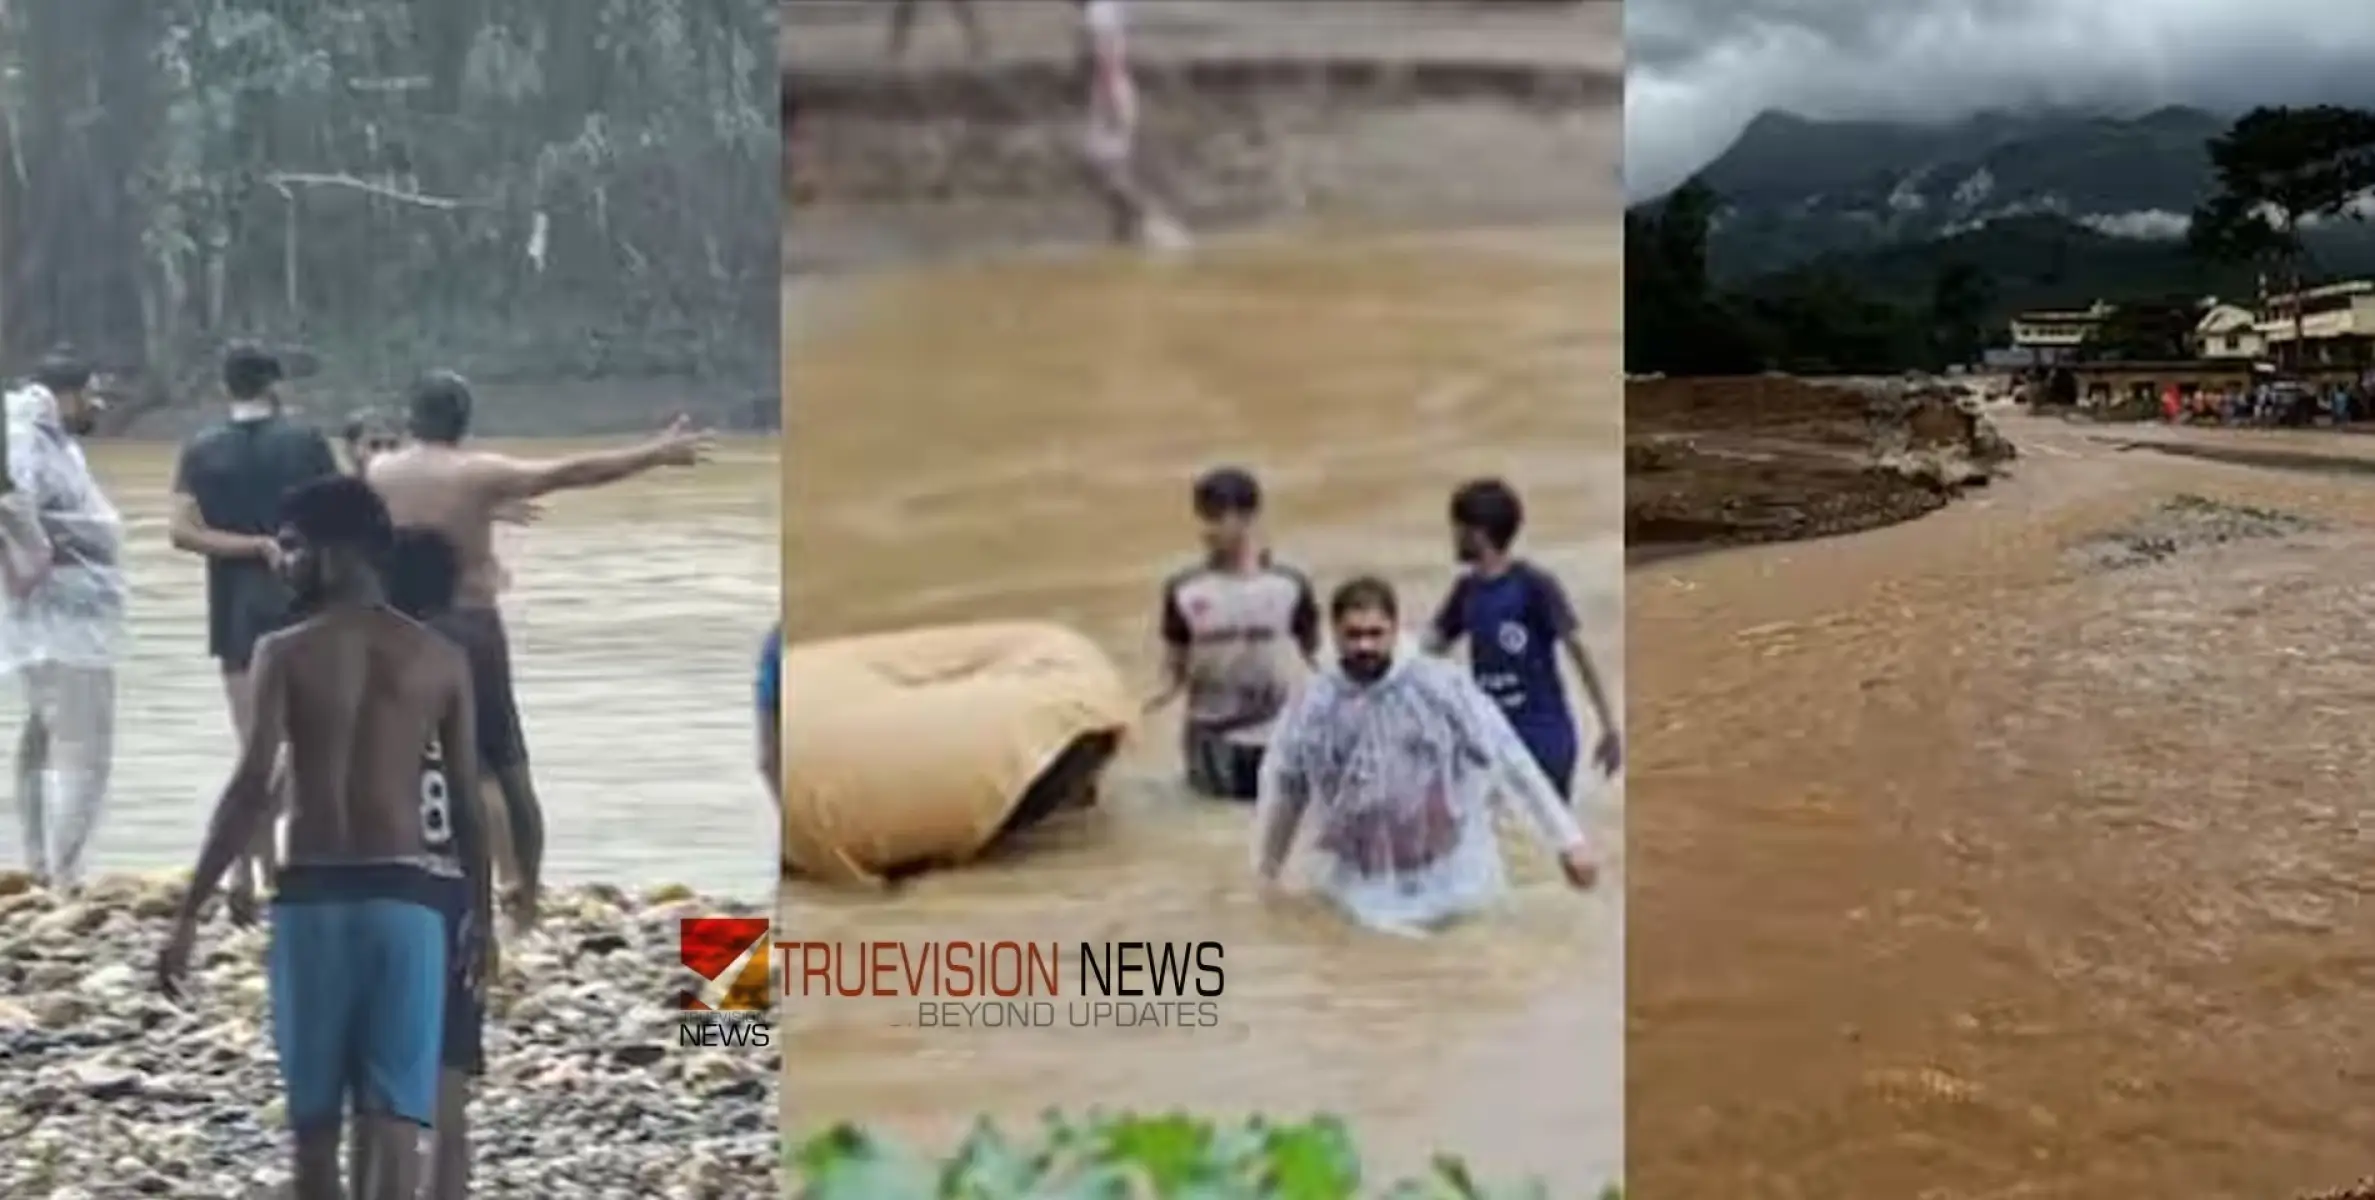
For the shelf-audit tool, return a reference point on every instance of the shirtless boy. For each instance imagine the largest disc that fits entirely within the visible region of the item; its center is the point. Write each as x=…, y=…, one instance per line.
x=437, y=483
x=359, y=955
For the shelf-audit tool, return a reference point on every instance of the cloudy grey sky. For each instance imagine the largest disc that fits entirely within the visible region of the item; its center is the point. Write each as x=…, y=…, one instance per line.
x=1697, y=70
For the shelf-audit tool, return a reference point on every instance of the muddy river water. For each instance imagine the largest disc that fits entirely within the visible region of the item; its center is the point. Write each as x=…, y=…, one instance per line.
x=1016, y=440
x=1979, y=866
x=635, y=618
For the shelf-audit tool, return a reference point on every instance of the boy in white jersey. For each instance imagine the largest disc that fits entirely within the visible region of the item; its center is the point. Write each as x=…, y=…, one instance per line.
x=1240, y=630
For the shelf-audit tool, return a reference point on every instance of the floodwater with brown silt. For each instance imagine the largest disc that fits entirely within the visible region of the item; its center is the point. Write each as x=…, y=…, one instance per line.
x=2016, y=851
x=1015, y=440
x=635, y=612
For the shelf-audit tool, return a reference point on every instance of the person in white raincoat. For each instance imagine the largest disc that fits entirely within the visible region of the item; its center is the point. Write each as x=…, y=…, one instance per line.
x=62, y=628
x=1392, y=761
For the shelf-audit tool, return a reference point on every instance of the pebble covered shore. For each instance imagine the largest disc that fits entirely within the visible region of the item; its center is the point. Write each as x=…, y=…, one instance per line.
x=108, y=1089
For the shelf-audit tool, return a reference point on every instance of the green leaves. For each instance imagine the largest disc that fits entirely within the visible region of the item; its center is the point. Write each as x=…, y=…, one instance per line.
x=1127, y=1157
x=544, y=192
x=1317, y=1161
x=844, y=1163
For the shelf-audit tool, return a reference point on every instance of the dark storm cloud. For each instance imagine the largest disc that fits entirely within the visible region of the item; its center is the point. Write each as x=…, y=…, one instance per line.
x=1699, y=69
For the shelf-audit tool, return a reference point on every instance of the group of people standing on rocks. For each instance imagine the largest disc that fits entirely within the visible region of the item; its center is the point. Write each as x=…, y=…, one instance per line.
x=1390, y=754
x=354, y=615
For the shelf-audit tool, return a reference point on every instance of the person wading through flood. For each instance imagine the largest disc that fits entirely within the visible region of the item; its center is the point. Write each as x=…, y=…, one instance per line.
x=434, y=482
x=227, y=487
x=63, y=628
x=1515, y=618
x=358, y=962
x=1396, y=758
x=1240, y=631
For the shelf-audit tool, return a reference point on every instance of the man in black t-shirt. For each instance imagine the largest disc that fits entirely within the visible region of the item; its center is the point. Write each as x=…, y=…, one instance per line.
x=227, y=487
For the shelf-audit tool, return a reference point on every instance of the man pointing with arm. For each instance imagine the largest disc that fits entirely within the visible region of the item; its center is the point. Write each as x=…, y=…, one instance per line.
x=438, y=483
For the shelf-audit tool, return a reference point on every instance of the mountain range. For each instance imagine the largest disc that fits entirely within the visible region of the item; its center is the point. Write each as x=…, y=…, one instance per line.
x=2077, y=204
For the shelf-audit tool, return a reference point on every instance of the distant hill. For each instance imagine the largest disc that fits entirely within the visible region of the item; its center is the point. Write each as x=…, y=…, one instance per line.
x=2069, y=195
x=2044, y=262
x=2030, y=262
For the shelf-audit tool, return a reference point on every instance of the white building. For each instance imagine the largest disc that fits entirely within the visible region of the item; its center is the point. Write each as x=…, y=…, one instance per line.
x=2229, y=331
x=2323, y=328
x=2046, y=336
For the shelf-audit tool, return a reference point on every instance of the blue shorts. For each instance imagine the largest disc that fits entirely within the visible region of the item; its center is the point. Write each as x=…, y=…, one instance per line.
x=358, y=981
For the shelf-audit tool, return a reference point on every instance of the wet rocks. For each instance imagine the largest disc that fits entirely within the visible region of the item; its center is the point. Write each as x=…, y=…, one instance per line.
x=1989, y=445
x=2182, y=524
x=1934, y=433
x=107, y=1088
x=1653, y=454
x=2362, y=1190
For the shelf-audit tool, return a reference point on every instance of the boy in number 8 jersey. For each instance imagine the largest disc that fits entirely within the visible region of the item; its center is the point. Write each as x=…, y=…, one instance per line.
x=422, y=573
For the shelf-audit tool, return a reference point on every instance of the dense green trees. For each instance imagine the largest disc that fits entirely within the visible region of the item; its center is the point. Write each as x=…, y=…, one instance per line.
x=1673, y=321
x=2149, y=329
x=536, y=189
x=1811, y=320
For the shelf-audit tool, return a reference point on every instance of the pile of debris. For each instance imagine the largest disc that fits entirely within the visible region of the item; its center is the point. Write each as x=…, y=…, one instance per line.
x=1730, y=461
x=1935, y=433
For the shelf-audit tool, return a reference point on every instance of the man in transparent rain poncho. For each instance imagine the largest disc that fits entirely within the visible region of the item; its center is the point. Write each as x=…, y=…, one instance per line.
x=63, y=623
x=1392, y=760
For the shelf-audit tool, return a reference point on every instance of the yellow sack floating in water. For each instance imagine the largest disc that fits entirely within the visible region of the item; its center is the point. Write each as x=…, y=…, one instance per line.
x=918, y=748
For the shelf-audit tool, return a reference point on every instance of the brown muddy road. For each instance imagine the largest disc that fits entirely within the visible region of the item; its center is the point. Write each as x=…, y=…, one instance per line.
x=1015, y=440
x=1975, y=869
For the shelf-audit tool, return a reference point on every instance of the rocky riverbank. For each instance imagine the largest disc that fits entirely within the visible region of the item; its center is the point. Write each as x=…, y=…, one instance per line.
x=1735, y=461
x=108, y=1089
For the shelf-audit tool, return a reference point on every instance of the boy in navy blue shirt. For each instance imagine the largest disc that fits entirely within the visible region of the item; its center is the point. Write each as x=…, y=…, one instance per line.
x=1514, y=615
